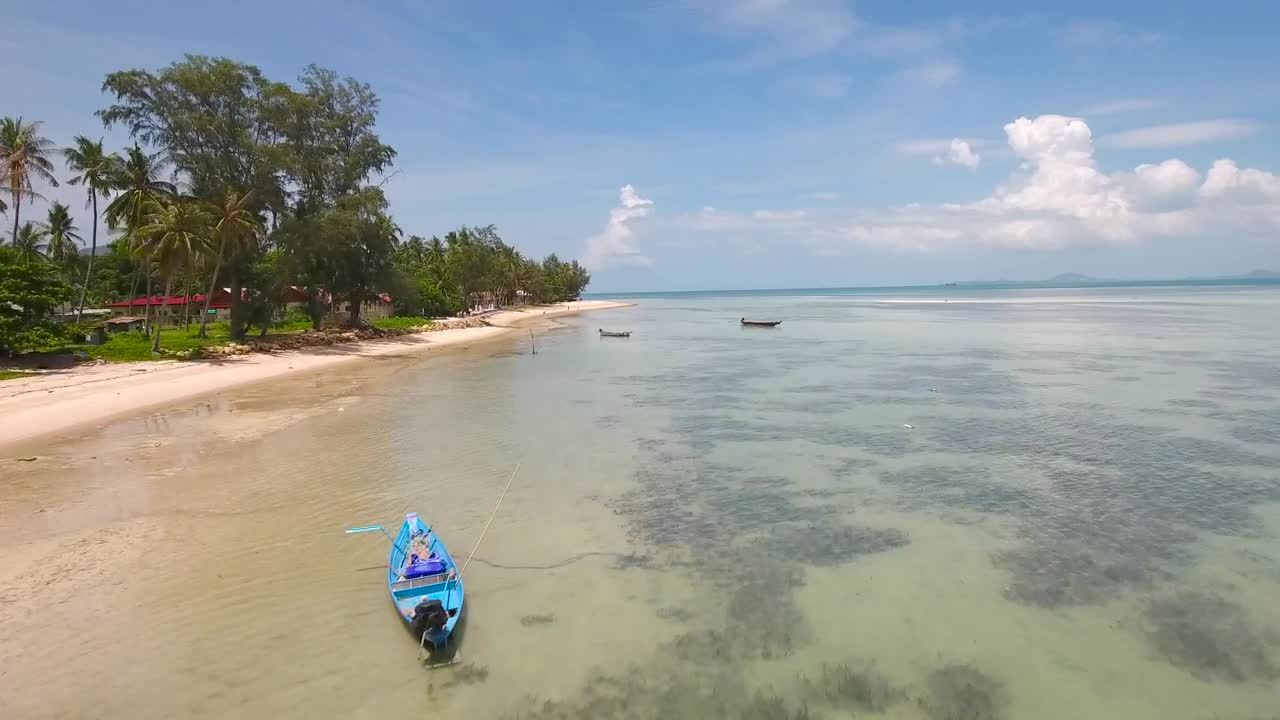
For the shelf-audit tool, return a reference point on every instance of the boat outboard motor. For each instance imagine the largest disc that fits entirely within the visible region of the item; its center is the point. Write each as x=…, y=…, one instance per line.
x=429, y=618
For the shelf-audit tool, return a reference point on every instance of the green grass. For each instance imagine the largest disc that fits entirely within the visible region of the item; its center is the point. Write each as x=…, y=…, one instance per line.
x=397, y=322
x=12, y=374
x=134, y=346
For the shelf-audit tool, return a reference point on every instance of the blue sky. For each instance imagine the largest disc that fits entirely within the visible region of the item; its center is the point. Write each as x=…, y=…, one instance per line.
x=679, y=144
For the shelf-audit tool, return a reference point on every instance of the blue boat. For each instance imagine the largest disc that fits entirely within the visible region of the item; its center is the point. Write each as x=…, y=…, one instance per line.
x=424, y=583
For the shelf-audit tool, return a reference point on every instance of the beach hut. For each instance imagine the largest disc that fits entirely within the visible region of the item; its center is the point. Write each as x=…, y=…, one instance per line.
x=124, y=323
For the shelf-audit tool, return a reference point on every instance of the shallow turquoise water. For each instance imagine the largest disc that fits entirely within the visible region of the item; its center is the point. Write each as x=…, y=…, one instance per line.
x=1082, y=520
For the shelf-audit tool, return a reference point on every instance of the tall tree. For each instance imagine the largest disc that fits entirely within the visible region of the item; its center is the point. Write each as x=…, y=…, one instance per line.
x=62, y=240
x=330, y=147
x=24, y=153
x=29, y=292
x=219, y=122
x=138, y=179
x=346, y=252
x=98, y=171
x=62, y=236
x=30, y=242
x=174, y=235
x=235, y=225
x=436, y=257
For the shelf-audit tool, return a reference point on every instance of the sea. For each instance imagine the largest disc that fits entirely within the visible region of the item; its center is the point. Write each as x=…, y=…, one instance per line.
x=942, y=503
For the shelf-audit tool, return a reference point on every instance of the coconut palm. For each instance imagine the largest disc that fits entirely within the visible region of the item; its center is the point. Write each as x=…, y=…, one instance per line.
x=173, y=236
x=436, y=254
x=138, y=179
x=24, y=155
x=30, y=242
x=235, y=226
x=98, y=172
x=62, y=237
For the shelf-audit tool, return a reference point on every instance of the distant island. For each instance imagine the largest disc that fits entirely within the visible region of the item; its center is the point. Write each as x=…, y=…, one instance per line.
x=1073, y=278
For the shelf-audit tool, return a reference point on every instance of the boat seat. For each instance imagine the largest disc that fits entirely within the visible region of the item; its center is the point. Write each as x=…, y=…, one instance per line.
x=424, y=581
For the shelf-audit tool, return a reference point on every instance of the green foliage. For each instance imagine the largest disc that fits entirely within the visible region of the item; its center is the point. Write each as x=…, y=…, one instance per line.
x=474, y=266
x=29, y=294
x=62, y=236
x=13, y=374
x=30, y=242
x=211, y=116
x=348, y=250
x=250, y=154
x=397, y=322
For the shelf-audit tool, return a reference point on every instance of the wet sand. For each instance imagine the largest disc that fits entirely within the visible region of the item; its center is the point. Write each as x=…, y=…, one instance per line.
x=57, y=402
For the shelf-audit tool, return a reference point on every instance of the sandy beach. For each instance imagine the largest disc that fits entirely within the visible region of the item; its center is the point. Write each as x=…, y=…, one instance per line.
x=56, y=402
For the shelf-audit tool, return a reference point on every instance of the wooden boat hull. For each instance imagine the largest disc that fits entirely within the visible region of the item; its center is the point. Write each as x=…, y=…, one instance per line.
x=614, y=334
x=761, y=323
x=446, y=586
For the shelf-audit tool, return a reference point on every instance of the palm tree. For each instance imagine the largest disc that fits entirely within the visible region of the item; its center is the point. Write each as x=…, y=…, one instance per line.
x=509, y=263
x=174, y=235
x=24, y=153
x=235, y=226
x=98, y=172
x=30, y=242
x=63, y=237
x=137, y=177
x=436, y=254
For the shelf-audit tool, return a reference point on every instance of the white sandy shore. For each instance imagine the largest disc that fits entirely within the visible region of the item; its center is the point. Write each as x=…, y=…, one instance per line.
x=57, y=401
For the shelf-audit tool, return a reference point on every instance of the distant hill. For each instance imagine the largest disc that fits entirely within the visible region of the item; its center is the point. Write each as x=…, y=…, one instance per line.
x=1255, y=275
x=1072, y=278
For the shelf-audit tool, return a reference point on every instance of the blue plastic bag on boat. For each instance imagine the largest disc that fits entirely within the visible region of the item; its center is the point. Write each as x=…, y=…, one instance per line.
x=422, y=568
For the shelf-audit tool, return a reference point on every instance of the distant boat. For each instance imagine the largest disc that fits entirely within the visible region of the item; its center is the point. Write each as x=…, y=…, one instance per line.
x=761, y=323
x=424, y=582
x=607, y=333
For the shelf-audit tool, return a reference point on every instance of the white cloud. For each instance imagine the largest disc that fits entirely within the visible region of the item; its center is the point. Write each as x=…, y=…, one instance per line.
x=615, y=245
x=929, y=146
x=894, y=42
x=825, y=85
x=1115, y=107
x=1057, y=198
x=1226, y=180
x=935, y=146
x=954, y=151
x=1192, y=133
x=789, y=28
x=959, y=152
x=1166, y=186
x=1100, y=35
x=931, y=73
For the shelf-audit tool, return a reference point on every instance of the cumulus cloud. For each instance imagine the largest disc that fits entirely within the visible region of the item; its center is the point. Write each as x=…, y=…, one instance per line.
x=959, y=152
x=1169, y=185
x=1191, y=133
x=1227, y=180
x=615, y=245
x=1057, y=197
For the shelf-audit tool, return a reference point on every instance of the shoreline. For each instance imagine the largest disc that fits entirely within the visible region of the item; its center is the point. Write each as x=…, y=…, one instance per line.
x=62, y=400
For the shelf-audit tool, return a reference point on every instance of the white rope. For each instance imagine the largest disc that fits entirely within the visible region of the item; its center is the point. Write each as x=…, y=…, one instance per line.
x=491, y=517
